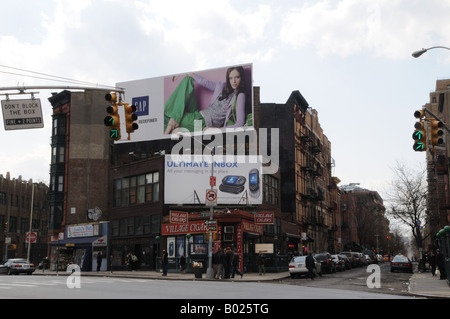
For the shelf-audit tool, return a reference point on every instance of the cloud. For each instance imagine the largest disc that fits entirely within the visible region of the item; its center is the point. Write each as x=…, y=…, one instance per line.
x=384, y=28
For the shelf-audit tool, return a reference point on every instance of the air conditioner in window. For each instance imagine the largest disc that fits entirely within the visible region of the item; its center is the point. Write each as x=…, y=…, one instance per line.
x=228, y=229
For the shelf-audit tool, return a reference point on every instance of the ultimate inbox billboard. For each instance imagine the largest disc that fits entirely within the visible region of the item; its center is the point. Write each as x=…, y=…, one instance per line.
x=220, y=98
x=238, y=179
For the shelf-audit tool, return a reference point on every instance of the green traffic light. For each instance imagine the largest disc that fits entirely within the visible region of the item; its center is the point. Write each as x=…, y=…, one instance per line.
x=114, y=133
x=418, y=135
x=418, y=146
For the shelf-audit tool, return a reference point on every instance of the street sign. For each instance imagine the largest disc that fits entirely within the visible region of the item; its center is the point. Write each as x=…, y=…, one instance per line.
x=211, y=197
x=31, y=237
x=211, y=222
x=22, y=114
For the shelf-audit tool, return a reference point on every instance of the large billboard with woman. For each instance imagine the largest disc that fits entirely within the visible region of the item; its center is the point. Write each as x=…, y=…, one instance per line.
x=191, y=102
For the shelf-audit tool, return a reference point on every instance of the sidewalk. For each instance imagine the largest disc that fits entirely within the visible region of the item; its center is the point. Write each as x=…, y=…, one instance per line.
x=424, y=284
x=151, y=274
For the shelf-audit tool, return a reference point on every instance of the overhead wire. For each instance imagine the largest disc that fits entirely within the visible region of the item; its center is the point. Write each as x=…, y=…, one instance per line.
x=50, y=77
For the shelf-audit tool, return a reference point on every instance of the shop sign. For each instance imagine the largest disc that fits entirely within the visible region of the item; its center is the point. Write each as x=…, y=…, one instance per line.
x=264, y=218
x=101, y=242
x=252, y=228
x=178, y=217
x=191, y=228
x=80, y=231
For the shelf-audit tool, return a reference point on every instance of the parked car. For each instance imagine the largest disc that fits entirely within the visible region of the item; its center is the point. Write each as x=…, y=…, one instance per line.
x=339, y=262
x=401, y=263
x=361, y=259
x=297, y=267
x=354, y=260
x=328, y=264
x=371, y=255
x=347, y=262
x=16, y=266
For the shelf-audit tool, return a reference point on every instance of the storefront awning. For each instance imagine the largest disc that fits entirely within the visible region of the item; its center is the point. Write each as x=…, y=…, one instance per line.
x=75, y=241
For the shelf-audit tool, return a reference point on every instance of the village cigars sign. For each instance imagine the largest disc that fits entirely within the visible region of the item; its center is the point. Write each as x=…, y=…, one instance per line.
x=189, y=228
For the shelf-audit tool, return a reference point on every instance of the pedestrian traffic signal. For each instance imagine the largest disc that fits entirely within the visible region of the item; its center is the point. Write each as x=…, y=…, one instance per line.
x=130, y=118
x=420, y=137
x=113, y=119
x=436, y=133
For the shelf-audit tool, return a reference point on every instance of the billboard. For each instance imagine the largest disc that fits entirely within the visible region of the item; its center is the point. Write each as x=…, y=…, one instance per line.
x=191, y=102
x=238, y=179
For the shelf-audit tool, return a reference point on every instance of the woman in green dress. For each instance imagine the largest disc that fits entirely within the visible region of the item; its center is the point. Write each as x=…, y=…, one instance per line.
x=226, y=107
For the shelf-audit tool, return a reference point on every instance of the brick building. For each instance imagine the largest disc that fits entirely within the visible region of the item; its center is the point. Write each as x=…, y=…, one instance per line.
x=16, y=197
x=438, y=204
x=309, y=194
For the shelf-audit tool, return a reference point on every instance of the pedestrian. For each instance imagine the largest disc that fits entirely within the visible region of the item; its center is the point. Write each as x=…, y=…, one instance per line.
x=128, y=262
x=432, y=263
x=440, y=264
x=134, y=262
x=310, y=265
x=260, y=261
x=221, y=262
x=236, y=265
x=99, y=260
x=182, y=264
x=164, y=262
x=214, y=264
x=228, y=262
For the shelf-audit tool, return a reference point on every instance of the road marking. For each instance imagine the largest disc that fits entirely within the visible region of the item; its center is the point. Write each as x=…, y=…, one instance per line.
x=19, y=285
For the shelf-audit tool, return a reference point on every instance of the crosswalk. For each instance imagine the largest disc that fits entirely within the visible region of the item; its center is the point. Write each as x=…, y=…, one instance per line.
x=11, y=282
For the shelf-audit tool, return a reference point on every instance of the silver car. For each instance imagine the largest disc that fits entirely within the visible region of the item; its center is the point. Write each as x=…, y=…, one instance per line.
x=16, y=266
x=297, y=267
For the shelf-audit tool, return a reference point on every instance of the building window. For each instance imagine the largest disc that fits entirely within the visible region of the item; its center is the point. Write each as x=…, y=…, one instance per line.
x=270, y=194
x=136, y=190
x=2, y=198
x=134, y=226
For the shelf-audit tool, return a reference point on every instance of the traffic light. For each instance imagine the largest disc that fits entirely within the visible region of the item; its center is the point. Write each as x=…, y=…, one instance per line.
x=113, y=120
x=130, y=118
x=420, y=133
x=420, y=114
x=6, y=226
x=436, y=133
x=420, y=137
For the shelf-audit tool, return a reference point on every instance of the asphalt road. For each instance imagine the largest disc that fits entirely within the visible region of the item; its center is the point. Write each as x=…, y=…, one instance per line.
x=54, y=287
x=356, y=280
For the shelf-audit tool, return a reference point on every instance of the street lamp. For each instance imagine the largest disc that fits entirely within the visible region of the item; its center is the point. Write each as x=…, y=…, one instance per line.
x=418, y=53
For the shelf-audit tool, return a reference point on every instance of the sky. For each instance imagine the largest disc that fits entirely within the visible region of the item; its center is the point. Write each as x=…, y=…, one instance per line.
x=350, y=59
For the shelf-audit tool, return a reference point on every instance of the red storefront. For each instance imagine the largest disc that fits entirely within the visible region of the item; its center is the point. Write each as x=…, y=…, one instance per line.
x=235, y=229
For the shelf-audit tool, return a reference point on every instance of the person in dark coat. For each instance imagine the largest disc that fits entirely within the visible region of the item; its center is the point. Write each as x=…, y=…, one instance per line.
x=182, y=264
x=440, y=264
x=229, y=260
x=432, y=263
x=260, y=261
x=99, y=260
x=164, y=262
x=235, y=263
x=310, y=265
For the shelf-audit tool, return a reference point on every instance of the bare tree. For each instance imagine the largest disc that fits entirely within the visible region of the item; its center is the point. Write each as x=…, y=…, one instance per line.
x=408, y=200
